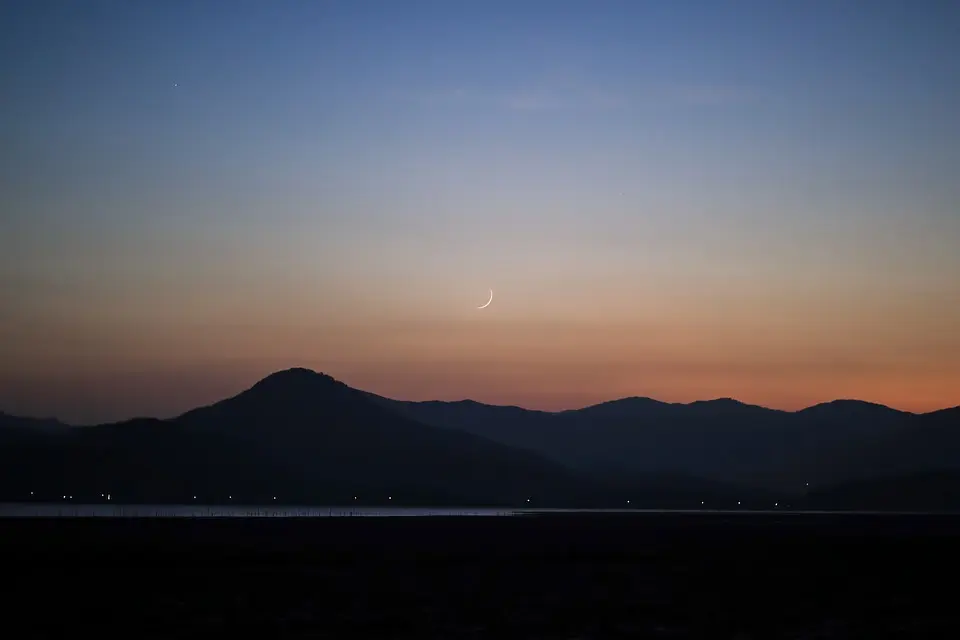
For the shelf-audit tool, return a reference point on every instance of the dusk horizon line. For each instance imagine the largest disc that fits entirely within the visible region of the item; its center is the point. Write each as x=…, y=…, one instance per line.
x=250, y=386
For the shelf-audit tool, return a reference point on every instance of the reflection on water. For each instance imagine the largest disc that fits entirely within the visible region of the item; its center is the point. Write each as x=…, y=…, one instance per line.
x=220, y=511
x=61, y=510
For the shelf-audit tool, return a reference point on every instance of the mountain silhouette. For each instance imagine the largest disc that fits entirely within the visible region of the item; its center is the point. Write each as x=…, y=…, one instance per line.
x=298, y=436
x=302, y=436
x=334, y=435
x=8, y=421
x=723, y=440
x=851, y=409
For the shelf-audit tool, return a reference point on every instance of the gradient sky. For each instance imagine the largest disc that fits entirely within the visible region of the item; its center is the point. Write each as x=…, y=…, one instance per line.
x=683, y=200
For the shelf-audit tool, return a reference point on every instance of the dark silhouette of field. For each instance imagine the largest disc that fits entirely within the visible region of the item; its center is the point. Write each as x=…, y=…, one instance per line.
x=302, y=437
x=656, y=576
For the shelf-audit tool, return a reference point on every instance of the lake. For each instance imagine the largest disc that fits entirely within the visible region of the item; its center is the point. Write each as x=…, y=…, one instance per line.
x=65, y=510
x=53, y=510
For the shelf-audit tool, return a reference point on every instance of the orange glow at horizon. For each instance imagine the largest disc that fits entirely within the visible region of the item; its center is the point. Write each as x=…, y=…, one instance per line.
x=786, y=359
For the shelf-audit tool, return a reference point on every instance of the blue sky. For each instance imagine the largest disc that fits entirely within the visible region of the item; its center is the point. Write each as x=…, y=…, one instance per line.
x=171, y=169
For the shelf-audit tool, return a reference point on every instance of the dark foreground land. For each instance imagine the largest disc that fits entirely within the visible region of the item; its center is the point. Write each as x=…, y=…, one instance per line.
x=556, y=576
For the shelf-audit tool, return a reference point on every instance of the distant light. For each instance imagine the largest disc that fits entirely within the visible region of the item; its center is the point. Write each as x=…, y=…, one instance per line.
x=194, y=497
x=701, y=502
x=354, y=497
x=108, y=496
x=628, y=502
x=31, y=493
x=229, y=497
x=528, y=499
x=64, y=497
x=807, y=484
x=776, y=504
x=738, y=502
x=389, y=497
x=274, y=497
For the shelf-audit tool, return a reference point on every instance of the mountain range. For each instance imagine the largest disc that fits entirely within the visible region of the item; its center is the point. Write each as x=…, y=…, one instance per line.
x=298, y=436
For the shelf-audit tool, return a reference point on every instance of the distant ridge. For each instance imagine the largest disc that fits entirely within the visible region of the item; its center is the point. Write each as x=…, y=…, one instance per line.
x=295, y=435
x=852, y=406
x=11, y=421
x=311, y=437
x=300, y=375
x=639, y=400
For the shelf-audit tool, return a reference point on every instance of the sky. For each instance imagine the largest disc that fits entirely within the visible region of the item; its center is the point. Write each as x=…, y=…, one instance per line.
x=682, y=200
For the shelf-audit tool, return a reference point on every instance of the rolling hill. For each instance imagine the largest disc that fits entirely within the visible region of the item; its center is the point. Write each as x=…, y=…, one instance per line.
x=723, y=441
x=305, y=437
x=300, y=437
x=297, y=435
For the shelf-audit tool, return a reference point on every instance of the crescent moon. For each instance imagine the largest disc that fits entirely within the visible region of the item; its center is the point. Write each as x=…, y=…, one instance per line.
x=487, y=303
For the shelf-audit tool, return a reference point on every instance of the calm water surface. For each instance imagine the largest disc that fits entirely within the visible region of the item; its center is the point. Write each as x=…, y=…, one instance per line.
x=228, y=511
x=49, y=510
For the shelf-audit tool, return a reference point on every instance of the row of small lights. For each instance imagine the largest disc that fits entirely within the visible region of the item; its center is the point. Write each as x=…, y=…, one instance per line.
x=102, y=495
x=107, y=496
